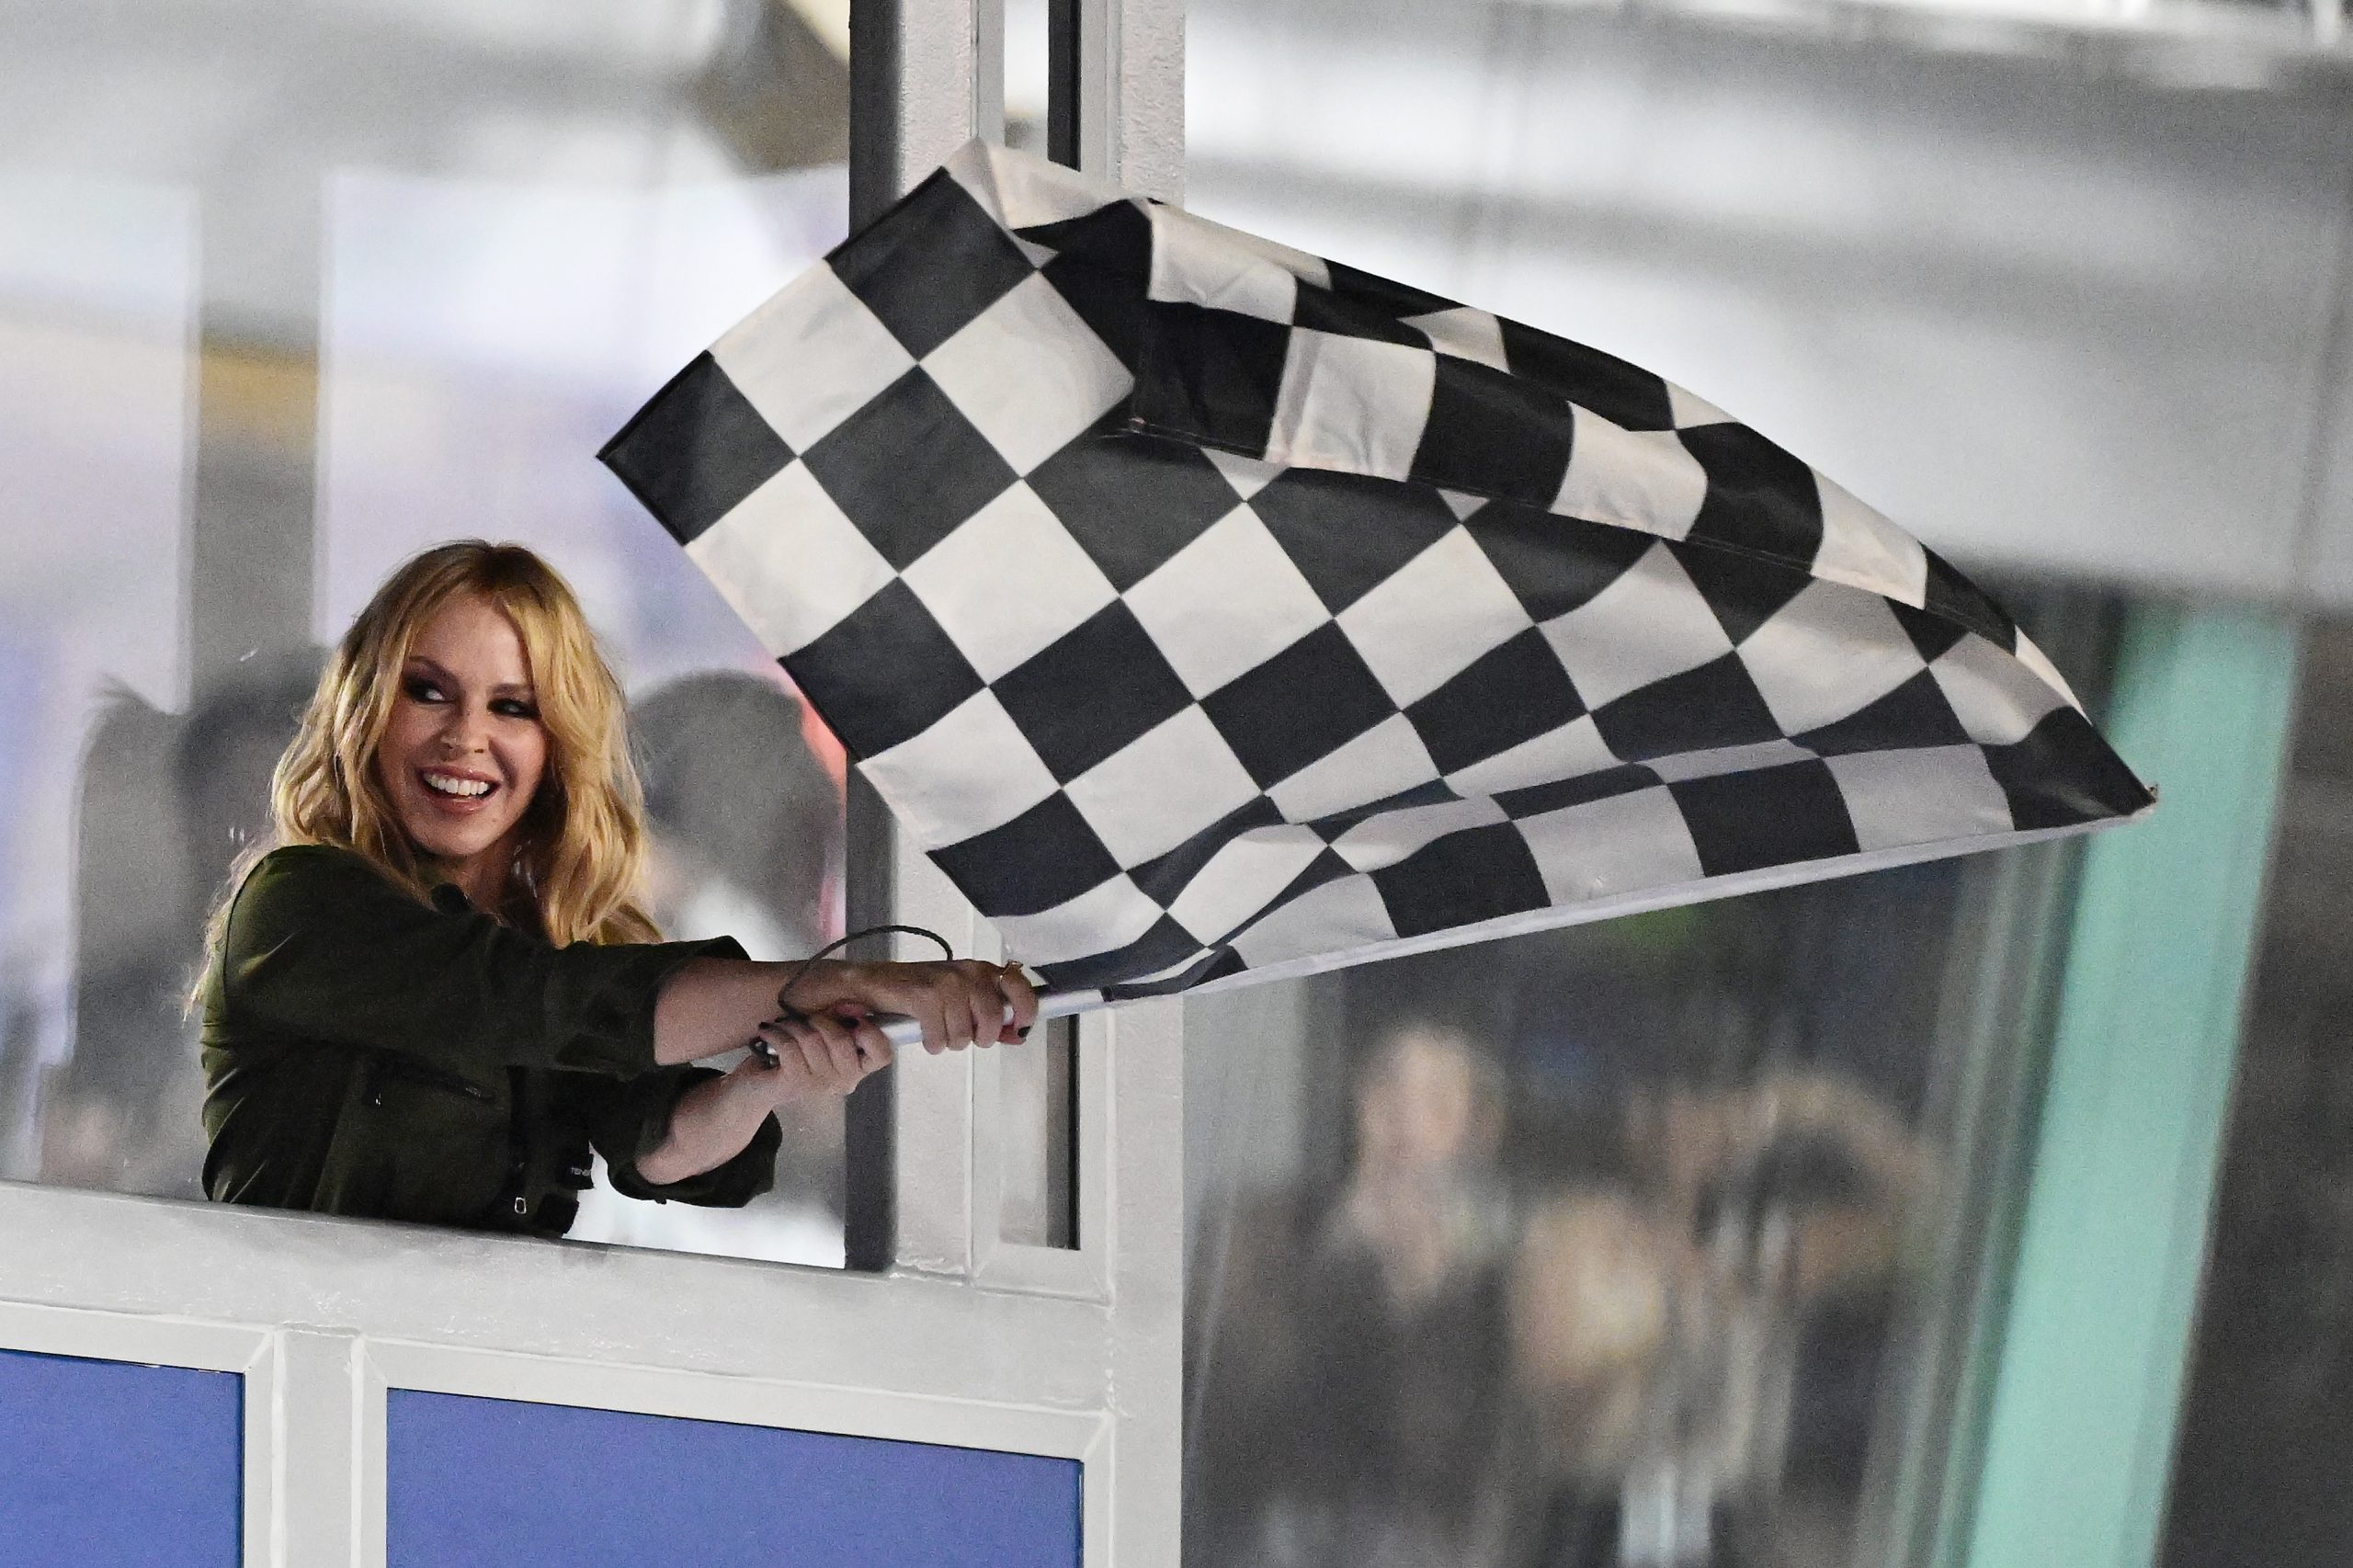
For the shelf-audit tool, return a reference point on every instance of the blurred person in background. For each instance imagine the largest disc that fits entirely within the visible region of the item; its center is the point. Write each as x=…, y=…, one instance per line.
x=742, y=815
x=1356, y=1364
x=1659, y=1312
x=168, y=802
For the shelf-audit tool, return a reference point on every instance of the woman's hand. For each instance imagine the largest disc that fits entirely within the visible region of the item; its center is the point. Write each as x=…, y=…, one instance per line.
x=826, y=1044
x=715, y=1118
x=820, y=1055
x=817, y=1054
x=959, y=1004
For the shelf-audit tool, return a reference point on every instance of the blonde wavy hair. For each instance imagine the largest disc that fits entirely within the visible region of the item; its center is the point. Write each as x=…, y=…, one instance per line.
x=583, y=856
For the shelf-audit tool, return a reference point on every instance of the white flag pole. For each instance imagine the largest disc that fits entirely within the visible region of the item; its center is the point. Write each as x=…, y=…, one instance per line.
x=902, y=1032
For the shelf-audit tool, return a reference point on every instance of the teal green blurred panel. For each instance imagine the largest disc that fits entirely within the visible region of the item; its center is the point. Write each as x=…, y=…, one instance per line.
x=2088, y=1383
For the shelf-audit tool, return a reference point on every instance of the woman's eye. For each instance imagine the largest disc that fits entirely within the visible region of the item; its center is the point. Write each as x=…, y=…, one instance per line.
x=513, y=708
x=419, y=690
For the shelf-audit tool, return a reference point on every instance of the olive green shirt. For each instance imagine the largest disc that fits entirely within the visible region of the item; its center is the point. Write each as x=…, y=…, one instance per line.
x=366, y=1053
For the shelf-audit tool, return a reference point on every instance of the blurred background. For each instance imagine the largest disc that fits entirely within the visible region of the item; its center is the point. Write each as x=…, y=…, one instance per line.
x=289, y=291
x=1797, y=1230
x=1714, y=1237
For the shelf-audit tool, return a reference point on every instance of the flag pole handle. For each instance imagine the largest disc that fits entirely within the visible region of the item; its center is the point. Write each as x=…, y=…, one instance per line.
x=902, y=1031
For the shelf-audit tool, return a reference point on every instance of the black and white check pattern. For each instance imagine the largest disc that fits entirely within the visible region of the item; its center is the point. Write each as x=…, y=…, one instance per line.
x=1204, y=608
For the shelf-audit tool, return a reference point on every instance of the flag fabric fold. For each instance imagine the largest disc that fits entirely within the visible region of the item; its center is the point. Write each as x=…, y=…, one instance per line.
x=1211, y=611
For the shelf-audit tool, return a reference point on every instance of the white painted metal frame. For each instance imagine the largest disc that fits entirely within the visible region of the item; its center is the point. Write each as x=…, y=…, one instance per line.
x=1082, y=1270
x=178, y=1342
x=324, y=1316
x=1127, y=1271
x=950, y=1177
x=968, y=1340
x=1131, y=72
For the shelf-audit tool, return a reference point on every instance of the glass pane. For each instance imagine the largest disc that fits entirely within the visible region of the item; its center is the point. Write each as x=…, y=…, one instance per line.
x=1645, y=1242
x=2265, y=1434
x=1028, y=74
x=288, y=291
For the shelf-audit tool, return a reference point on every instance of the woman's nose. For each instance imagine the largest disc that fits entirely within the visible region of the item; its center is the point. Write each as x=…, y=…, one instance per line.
x=464, y=728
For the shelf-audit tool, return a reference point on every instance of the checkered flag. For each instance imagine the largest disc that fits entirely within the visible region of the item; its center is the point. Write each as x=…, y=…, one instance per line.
x=1211, y=611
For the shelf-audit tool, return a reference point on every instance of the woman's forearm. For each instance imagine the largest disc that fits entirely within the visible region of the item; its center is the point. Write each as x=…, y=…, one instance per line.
x=710, y=1126
x=711, y=1005
x=826, y=1047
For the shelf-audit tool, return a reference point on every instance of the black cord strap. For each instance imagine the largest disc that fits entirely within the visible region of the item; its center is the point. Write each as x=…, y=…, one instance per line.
x=787, y=1013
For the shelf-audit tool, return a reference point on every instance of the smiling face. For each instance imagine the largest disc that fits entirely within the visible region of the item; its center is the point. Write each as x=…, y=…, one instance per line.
x=463, y=749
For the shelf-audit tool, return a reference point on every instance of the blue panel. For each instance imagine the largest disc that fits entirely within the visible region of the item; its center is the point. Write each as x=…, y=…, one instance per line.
x=494, y=1484
x=104, y=1464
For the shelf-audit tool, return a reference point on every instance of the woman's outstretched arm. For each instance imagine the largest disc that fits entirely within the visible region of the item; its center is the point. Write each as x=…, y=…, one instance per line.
x=710, y=1006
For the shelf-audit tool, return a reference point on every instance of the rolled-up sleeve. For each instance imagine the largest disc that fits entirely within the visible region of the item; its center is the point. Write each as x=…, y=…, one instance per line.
x=626, y=1122
x=321, y=946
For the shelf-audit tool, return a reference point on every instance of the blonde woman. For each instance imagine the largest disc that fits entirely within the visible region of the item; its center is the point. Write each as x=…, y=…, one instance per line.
x=440, y=990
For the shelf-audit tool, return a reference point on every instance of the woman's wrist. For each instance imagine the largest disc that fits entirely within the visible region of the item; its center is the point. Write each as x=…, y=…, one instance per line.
x=821, y=987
